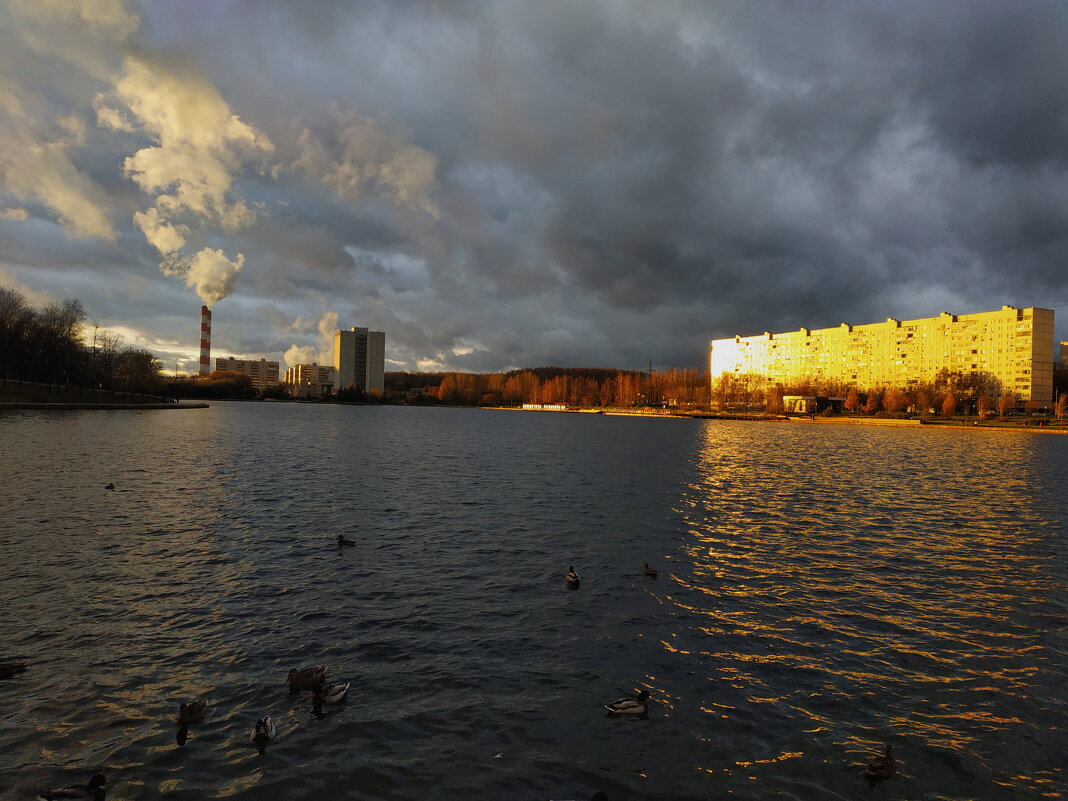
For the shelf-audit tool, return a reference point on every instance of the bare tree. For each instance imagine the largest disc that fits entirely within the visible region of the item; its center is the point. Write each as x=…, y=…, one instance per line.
x=108, y=343
x=15, y=318
x=774, y=401
x=1006, y=403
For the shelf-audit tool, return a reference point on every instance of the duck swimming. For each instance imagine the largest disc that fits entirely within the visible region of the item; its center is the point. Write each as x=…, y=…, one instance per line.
x=334, y=693
x=650, y=572
x=880, y=768
x=330, y=694
x=341, y=541
x=93, y=791
x=109, y=486
x=305, y=678
x=572, y=577
x=263, y=732
x=193, y=712
x=629, y=707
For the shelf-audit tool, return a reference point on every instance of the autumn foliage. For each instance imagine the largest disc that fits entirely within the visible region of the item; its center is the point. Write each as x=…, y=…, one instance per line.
x=573, y=386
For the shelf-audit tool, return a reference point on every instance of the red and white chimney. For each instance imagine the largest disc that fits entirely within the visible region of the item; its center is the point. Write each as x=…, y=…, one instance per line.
x=205, y=340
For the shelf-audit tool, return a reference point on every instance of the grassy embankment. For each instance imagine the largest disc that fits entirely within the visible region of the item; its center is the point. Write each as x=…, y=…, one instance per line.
x=29, y=392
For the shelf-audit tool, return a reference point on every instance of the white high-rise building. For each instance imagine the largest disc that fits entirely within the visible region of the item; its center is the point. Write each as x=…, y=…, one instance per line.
x=360, y=359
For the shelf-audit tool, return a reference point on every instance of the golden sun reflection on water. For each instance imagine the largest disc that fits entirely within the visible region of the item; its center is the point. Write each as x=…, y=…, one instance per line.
x=881, y=585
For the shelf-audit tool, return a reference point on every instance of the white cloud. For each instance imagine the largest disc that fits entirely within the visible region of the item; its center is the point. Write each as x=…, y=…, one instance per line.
x=300, y=355
x=35, y=298
x=166, y=238
x=14, y=213
x=109, y=17
x=200, y=146
x=35, y=161
x=200, y=142
x=324, y=354
x=327, y=326
x=111, y=118
x=361, y=158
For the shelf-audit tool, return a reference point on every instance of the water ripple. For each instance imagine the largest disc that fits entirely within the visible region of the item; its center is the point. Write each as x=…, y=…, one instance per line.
x=822, y=590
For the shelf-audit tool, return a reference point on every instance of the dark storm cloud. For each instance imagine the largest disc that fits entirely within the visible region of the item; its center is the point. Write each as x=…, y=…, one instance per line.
x=510, y=184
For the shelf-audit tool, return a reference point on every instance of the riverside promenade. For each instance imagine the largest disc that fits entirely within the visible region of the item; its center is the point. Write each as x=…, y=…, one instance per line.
x=1029, y=425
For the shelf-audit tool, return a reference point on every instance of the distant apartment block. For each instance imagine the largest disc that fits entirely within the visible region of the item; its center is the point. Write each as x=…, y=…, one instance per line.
x=262, y=372
x=360, y=359
x=310, y=380
x=1013, y=346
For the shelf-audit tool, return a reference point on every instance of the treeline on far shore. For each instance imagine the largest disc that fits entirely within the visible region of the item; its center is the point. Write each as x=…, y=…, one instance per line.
x=571, y=386
x=56, y=346
x=948, y=393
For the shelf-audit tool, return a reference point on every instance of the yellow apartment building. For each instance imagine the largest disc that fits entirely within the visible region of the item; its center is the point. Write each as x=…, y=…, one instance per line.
x=263, y=373
x=1011, y=345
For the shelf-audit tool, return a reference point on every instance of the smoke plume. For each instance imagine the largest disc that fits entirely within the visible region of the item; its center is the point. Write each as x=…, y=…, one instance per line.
x=324, y=353
x=210, y=273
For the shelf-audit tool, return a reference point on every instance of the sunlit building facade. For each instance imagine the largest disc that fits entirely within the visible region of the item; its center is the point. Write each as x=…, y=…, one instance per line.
x=310, y=380
x=262, y=372
x=360, y=359
x=1012, y=346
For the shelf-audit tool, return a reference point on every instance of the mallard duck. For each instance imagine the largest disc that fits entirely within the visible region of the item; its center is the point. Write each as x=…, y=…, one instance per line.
x=881, y=768
x=9, y=669
x=629, y=706
x=341, y=541
x=305, y=678
x=93, y=791
x=263, y=732
x=109, y=486
x=650, y=572
x=335, y=693
x=572, y=577
x=330, y=693
x=193, y=712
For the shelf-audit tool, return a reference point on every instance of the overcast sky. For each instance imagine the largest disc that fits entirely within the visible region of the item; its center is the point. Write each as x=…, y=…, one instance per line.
x=513, y=184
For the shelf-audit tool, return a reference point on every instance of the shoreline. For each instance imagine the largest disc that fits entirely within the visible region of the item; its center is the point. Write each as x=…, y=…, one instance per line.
x=695, y=415
x=862, y=421
x=97, y=406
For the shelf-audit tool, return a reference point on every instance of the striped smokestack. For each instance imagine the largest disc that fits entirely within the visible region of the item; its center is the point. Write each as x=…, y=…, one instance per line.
x=205, y=340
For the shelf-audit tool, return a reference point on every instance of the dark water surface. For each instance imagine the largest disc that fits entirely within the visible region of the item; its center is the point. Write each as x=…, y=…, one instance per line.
x=822, y=590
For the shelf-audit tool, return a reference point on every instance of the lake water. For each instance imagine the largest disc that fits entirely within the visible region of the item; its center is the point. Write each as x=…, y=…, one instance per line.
x=823, y=590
